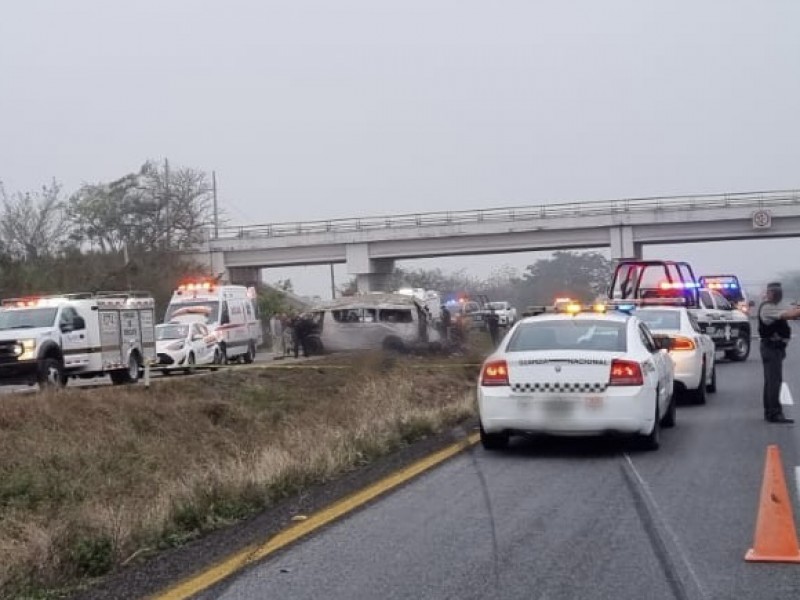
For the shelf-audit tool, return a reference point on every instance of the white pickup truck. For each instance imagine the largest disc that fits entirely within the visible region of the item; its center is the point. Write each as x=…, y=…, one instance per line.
x=728, y=326
x=507, y=314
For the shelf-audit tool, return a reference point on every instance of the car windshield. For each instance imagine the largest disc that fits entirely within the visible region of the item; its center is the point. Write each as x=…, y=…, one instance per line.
x=660, y=319
x=172, y=332
x=572, y=334
x=27, y=318
x=205, y=312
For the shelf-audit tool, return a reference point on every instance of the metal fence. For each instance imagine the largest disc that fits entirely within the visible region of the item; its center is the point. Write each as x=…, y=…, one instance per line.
x=755, y=200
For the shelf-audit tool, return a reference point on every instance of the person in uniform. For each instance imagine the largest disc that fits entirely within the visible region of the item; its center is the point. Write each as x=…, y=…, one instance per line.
x=276, y=333
x=775, y=333
x=493, y=323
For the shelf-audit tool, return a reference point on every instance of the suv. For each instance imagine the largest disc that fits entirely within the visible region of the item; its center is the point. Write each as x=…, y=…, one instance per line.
x=506, y=314
x=728, y=326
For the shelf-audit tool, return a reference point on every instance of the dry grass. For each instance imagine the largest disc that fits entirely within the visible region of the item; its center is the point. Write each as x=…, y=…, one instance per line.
x=91, y=478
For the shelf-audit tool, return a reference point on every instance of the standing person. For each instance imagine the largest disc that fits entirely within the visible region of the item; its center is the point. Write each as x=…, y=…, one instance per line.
x=775, y=333
x=445, y=323
x=300, y=330
x=276, y=333
x=493, y=326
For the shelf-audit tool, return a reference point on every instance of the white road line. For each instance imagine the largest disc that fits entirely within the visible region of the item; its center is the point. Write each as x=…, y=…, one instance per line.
x=786, y=395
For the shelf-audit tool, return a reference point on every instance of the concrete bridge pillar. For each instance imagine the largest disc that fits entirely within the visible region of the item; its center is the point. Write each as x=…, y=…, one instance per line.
x=372, y=274
x=622, y=244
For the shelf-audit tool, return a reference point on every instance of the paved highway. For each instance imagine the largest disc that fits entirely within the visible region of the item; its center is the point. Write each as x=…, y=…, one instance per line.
x=564, y=519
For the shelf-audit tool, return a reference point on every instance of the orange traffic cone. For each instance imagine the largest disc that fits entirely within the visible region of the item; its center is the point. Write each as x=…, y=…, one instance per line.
x=776, y=537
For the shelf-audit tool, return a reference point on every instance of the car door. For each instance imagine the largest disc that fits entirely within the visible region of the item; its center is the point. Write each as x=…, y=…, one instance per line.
x=197, y=343
x=705, y=342
x=207, y=344
x=662, y=372
x=74, y=338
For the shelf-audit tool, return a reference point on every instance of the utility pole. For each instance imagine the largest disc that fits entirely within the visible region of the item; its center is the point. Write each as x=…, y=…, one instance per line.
x=216, y=208
x=333, y=285
x=167, y=209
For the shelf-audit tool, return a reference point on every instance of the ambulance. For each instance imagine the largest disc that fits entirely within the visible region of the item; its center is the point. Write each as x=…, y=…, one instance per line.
x=229, y=311
x=46, y=340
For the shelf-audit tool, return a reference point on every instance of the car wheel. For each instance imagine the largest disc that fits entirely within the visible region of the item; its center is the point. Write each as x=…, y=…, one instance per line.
x=742, y=349
x=699, y=395
x=652, y=440
x=671, y=416
x=711, y=388
x=190, y=362
x=494, y=441
x=51, y=374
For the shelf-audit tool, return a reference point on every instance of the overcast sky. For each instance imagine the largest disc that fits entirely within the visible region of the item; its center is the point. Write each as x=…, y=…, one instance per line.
x=311, y=109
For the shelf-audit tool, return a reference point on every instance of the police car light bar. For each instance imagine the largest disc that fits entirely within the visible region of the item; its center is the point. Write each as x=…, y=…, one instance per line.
x=630, y=304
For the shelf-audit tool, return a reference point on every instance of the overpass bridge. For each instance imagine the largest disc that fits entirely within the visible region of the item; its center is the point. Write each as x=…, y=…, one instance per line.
x=371, y=245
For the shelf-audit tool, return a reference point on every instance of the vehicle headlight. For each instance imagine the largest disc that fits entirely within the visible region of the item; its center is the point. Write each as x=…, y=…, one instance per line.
x=175, y=346
x=25, y=349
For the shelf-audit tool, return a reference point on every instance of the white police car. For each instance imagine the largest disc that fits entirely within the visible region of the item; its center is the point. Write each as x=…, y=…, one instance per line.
x=692, y=351
x=578, y=372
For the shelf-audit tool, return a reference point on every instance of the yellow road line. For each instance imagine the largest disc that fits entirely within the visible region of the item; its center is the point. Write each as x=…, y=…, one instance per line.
x=216, y=573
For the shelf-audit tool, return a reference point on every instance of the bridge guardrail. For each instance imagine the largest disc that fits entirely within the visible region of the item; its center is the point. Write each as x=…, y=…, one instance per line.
x=756, y=200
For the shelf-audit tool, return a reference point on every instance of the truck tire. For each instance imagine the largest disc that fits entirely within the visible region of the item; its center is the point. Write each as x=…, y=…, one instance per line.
x=129, y=375
x=51, y=374
x=742, y=349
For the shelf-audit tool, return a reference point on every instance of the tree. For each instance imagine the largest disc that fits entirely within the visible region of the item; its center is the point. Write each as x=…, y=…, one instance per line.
x=582, y=276
x=144, y=211
x=32, y=224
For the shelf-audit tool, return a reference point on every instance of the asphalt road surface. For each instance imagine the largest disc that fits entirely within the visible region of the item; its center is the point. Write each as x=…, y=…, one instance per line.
x=565, y=519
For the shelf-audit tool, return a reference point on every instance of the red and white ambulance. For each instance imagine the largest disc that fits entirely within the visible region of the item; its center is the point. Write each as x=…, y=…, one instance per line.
x=229, y=311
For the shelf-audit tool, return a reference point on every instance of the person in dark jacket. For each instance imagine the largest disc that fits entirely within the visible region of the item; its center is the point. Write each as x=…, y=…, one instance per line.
x=775, y=333
x=493, y=323
x=301, y=328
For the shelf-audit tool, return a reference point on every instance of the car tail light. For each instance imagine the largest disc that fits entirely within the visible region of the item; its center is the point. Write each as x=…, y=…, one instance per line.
x=495, y=373
x=682, y=344
x=625, y=372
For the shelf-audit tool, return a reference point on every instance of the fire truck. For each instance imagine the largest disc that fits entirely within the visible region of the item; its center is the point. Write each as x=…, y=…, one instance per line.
x=48, y=339
x=230, y=312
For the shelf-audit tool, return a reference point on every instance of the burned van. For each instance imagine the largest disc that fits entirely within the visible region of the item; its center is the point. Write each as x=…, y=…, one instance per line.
x=374, y=322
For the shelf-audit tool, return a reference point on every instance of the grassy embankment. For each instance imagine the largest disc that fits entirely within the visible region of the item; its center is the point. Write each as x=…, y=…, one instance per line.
x=91, y=478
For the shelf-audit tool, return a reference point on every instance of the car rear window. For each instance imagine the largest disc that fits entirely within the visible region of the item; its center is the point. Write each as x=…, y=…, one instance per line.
x=660, y=319
x=573, y=334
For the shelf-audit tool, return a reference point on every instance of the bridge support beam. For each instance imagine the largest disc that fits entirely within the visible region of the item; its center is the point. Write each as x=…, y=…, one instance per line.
x=372, y=275
x=622, y=244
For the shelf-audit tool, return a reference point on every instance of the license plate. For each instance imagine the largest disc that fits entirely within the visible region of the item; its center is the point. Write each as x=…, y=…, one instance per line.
x=594, y=401
x=557, y=404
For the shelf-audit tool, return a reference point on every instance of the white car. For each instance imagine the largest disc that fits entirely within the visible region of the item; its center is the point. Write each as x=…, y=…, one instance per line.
x=692, y=351
x=506, y=314
x=584, y=373
x=184, y=346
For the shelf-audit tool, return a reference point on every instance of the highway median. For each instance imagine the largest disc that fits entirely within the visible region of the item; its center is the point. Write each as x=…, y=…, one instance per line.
x=92, y=480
